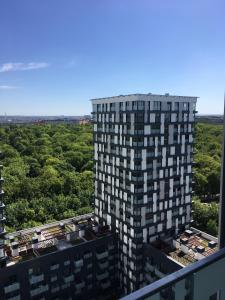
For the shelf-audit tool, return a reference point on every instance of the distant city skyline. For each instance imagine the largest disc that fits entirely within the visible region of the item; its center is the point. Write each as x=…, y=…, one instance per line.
x=55, y=57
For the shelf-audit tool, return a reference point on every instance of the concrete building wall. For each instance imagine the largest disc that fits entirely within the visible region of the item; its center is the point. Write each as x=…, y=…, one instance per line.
x=83, y=271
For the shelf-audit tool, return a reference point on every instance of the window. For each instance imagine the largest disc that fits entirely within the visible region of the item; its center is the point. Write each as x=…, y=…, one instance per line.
x=35, y=271
x=139, y=117
x=176, y=106
x=157, y=117
x=54, y=267
x=140, y=105
x=98, y=107
x=94, y=108
x=66, y=263
x=155, y=126
x=156, y=105
x=185, y=106
x=194, y=106
x=112, y=106
x=168, y=105
x=167, y=117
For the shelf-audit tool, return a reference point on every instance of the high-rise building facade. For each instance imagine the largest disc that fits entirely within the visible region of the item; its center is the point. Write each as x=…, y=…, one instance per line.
x=143, y=146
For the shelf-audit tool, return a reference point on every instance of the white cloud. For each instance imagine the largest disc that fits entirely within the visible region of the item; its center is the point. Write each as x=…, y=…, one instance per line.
x=8, y=87
x=10, y=67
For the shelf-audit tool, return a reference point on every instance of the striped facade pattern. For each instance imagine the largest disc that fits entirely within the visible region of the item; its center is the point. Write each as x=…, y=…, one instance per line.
x=143, y=148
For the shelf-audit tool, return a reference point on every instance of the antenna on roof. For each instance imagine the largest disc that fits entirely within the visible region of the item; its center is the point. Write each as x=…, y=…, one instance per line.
x=222, y=191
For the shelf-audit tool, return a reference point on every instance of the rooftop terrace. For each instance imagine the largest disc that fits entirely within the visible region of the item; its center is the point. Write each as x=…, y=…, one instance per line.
x=188, y=247
x=28, y=244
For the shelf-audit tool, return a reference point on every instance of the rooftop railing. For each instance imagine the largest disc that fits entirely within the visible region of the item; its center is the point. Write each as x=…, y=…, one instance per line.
x=203, y=280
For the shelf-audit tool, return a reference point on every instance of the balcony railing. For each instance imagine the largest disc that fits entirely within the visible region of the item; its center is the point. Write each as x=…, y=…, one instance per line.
x=199, y=281
x=102, y=255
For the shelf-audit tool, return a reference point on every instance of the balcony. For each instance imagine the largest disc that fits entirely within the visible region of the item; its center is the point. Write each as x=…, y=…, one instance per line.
x=69, y=278
x=39, y=290
x=36, y=279
x=79, y=263
x=12, y=287
x=104, y=265
x=201, y=280
x=102, y=255
x=102, y=276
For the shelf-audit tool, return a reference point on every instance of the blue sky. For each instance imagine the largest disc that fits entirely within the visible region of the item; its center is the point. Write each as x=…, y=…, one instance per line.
x=55, y=55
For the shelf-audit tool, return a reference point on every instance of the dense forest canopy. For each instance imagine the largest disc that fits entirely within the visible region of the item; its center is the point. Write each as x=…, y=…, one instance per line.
x=208, y=150
x=48, y=173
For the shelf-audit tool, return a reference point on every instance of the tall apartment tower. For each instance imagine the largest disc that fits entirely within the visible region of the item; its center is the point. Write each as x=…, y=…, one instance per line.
x=2, y=223
x=143, y=145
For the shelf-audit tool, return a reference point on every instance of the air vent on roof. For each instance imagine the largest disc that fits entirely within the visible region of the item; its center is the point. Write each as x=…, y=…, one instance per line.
x=184, y=241
x=188, y=232
x=38, y=231
x=200, y=249
x=62, y=225
x=212, y=244
x=34, y=240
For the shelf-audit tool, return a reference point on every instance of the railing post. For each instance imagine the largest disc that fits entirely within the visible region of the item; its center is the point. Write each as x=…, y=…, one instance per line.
x=222, y=192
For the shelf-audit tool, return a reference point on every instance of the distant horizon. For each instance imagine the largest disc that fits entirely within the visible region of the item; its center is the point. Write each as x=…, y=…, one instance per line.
x=81, y=115
x=33, y=115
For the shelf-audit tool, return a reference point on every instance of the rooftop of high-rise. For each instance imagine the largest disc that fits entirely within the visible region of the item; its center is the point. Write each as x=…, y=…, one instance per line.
x=188, y=247
x=30, y=243
x=145, y=97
